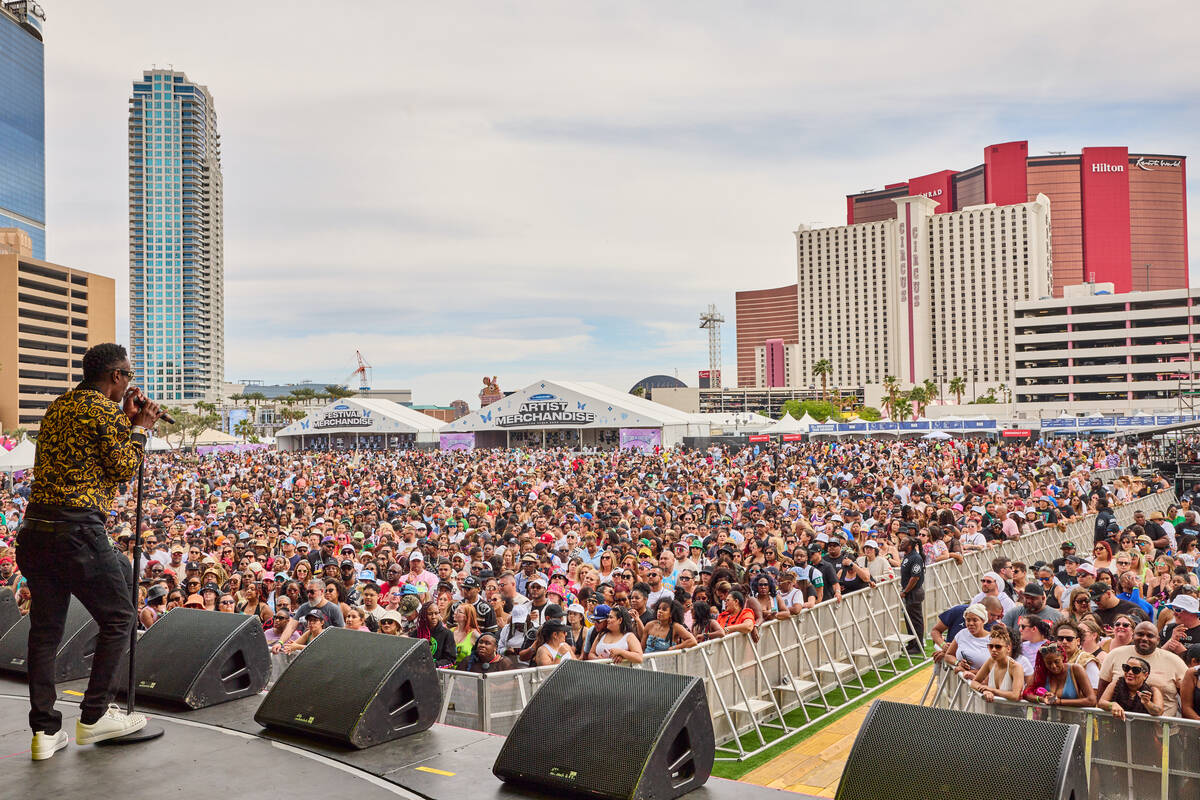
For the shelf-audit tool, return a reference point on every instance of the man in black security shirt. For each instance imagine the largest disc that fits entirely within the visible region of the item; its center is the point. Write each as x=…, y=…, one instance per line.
x=912, y=589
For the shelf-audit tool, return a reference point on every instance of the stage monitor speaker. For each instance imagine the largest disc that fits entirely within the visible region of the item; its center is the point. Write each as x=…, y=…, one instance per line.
x=9, y=613
x=355, y=688
x=618, y=733
x=201, y=658
x=905, y=750
x=75, y=651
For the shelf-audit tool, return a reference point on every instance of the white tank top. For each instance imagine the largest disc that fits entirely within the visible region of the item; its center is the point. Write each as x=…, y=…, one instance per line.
x=604, y=649
x=1005, y=683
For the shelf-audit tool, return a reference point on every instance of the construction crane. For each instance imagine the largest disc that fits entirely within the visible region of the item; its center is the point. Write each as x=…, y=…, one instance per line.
x=363, y=372
x=711, y=320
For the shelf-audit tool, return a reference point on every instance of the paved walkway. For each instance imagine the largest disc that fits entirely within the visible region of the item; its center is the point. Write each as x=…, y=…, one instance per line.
x=814, y=766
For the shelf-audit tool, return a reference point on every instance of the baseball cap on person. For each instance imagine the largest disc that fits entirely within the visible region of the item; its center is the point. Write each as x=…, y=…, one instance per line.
x=576, y=608
x=346, y=563
x=1033, y=590
x=1068, y=545
x=538, y=581
x=1099, y=589
x=871, y=543
x=415, y=555
x=470, y=582
x=1087, y=569
x=1185, y=602
x=600, y=612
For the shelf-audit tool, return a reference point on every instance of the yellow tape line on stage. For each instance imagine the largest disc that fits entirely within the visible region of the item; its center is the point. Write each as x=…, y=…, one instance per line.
x=435, y=771
x=70, y=691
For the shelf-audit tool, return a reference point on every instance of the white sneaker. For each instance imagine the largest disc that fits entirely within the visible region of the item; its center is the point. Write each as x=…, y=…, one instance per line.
x=47, y=744
x=114, y=723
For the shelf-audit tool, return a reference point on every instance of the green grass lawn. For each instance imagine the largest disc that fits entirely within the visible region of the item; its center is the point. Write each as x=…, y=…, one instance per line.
x=843, y=703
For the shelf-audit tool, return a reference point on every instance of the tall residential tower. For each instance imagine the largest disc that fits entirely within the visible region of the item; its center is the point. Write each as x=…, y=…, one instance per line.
x=176, y=239
x=23, y=122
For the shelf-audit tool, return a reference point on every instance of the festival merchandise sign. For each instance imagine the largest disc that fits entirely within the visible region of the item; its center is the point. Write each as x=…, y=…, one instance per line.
x=458, y=441
x=644, y=440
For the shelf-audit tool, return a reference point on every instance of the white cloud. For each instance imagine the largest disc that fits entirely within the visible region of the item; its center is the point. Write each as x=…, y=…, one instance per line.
x=432, y=184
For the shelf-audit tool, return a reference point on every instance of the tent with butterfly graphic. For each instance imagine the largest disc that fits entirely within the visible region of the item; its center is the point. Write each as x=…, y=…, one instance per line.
x=360, y=423
x=573, y=414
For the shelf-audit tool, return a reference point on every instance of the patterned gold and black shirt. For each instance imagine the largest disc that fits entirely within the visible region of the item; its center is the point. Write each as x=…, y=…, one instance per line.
x=85, y=447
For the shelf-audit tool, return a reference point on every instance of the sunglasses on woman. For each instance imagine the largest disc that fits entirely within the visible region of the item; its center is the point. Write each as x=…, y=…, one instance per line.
x=1131, y=669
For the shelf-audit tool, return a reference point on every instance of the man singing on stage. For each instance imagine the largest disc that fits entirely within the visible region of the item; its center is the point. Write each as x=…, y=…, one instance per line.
x=91, y=439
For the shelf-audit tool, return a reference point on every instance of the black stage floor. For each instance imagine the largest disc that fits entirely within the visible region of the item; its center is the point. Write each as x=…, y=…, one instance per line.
x=222, y=749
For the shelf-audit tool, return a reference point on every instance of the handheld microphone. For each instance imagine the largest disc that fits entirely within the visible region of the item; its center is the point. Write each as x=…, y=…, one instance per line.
x=163, y=415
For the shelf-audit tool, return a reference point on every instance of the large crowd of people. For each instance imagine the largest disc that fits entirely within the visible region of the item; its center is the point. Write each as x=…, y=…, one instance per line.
x=510, y=558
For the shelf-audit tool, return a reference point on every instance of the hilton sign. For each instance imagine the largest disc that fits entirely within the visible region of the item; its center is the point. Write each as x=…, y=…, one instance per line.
x=1108, y=167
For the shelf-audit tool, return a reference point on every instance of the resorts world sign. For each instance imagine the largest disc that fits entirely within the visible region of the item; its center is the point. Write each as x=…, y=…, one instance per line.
x=545, y=409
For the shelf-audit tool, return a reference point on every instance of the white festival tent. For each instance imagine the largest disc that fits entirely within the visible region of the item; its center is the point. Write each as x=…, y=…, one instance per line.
x=19, y=458
x=573, y=414
x=788, y=424
x=730, y=423
x=355, y=423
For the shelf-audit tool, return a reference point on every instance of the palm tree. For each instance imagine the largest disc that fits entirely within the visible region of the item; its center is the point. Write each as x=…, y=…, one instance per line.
x=932, y=390
x=957, y=387
x=244, y=429
x=339, y=392
x=901, y=408
x=919, y=398
x=823, y=369
x=892, y=387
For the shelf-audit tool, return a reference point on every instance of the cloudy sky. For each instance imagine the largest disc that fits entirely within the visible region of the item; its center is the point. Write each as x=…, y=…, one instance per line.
x=558, y=189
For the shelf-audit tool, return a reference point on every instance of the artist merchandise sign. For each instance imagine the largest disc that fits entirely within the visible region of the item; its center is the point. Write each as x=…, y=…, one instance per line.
x=545, y=409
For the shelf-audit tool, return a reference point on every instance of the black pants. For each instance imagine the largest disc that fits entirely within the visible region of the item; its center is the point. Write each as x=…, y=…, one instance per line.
x=60, y=559
x=914, y=615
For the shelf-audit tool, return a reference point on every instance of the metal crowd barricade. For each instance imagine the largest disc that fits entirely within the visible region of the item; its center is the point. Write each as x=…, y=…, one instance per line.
x=1141, y=758
x=752, y=686
x=948, y=583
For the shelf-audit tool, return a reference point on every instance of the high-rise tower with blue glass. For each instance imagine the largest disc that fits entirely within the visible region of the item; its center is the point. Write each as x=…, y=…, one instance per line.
x=23, y=122
x=176, y=239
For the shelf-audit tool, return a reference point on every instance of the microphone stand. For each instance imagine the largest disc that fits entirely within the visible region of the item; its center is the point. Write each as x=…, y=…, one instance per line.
x=152, y=730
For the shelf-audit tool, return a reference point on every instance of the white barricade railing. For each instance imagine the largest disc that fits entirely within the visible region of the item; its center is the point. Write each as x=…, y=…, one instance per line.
x=949, y=583
x=796, y=664
x=1141, y=758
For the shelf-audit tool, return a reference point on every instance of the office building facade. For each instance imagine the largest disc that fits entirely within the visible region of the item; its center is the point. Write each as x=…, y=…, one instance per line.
x=920, y=295
x=1097, y=350
x=23, y=122
x=176, y=239
x=1119, y=217
x=55, y=314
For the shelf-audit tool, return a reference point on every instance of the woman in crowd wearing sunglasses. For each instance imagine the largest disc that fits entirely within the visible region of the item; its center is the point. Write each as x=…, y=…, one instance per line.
x=1000, y=676
x=1132, y=693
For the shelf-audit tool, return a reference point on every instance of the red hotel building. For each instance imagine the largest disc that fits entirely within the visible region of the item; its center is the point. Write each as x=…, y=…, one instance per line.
x=1115, y=216
x=760, y=315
